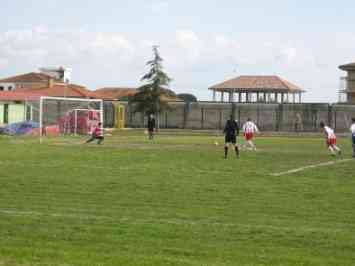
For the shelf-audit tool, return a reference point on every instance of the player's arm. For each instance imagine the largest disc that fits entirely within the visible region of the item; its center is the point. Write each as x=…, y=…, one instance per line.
x=256, y=128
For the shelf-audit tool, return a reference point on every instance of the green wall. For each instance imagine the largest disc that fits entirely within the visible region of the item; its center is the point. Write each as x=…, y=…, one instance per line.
x=16, y=112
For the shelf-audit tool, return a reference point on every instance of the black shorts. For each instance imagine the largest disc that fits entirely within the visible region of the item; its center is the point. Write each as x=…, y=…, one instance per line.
x=231, y=139
x=353, y=139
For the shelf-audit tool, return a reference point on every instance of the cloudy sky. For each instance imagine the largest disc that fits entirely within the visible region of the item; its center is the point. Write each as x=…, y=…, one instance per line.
x=203, y=42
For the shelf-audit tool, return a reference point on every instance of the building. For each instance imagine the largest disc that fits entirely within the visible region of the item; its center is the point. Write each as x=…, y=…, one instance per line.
x=13, y=107
x=16, y=90
x=41, y=79
x=116, y=93
x=347, y=84
x=28, y=80
x=54, y=89
x=123, y=93
x=258, y=89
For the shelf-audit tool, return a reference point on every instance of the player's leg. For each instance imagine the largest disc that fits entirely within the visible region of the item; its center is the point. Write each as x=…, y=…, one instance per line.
x=151, y=134
x=226, y=150
x=100, y=139
x=236, y=147
x=226, y=144
x=330, y=148
x=92, y=138
x=353, y=140
x=335, y=147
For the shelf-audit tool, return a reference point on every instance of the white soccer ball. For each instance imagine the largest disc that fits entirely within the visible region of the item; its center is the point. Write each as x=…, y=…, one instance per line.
x=216, y=143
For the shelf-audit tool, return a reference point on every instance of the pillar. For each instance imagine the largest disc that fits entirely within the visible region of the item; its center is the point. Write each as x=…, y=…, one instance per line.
x=214, y=96
x=294, y=97
x=222, y=96
x=300, y=97
x=282, y=97
x=257, y=97
x=276, y=97
x=239, y=97
x=230, y=97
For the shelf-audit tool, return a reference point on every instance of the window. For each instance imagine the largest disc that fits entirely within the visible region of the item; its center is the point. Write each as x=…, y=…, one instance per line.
x=1, y=88
x=9, y=88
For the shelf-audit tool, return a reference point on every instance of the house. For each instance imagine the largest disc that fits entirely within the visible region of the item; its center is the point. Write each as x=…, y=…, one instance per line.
x=16, y=90
x=28, y=80
x=265, y=89
x=36, y=79
x=13, y=107
x=347, y=90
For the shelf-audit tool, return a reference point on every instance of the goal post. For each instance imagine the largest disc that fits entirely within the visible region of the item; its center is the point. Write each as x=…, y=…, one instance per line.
x=68, y=116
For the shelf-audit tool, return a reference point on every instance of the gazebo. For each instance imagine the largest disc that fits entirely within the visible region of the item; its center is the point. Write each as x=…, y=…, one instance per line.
x=258, y=89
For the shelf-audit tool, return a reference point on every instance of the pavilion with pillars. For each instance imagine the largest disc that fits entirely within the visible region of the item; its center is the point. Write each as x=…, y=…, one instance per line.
x=257, y=89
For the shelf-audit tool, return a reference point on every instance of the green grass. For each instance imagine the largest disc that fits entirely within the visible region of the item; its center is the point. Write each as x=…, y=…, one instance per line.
x=174, y=201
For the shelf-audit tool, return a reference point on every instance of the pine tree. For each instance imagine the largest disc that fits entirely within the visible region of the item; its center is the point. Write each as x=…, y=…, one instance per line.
x=150, y=96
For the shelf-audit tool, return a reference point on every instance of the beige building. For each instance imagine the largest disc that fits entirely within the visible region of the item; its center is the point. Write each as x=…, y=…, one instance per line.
x=347, y=87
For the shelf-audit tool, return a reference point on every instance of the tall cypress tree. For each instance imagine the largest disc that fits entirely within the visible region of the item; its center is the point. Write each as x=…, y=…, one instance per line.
x=150, y=96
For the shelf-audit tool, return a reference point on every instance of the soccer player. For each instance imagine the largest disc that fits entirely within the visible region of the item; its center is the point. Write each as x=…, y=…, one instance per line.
x=352, y=129
x=231, y=131
x=331, y=139
x=151, y=126
x=249, y=129
x=97, y=134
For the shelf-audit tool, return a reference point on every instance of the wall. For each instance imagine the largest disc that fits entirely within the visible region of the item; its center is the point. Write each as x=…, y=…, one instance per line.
x=16, y=112
x=269, y=117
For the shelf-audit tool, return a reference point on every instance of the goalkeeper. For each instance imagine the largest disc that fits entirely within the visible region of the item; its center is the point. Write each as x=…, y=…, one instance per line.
x=97, y=134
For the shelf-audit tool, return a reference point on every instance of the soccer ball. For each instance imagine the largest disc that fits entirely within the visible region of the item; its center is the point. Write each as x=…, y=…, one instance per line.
x=216, y=143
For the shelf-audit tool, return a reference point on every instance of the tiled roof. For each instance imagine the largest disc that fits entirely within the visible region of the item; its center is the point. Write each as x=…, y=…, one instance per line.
x=119, y=92
x=257, y=84
x=115, y=92
x=19, y=96
x=29, y=77
x=350, y=66
x=62, y=90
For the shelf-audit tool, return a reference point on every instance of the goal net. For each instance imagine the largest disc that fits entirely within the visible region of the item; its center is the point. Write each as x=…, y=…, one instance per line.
x=65, y=116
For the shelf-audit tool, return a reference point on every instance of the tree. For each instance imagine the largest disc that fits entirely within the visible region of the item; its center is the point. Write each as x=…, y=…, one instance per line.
x=150, y=96
x=187, y=97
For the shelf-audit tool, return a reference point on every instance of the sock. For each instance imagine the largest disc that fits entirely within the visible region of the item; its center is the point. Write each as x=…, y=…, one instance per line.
x=336, y=148
x=331, y=149
x=225, y=152
x=236, y=151
x=252, y=145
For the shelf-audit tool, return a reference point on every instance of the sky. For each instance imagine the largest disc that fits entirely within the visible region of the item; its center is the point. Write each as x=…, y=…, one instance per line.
x=202, y=42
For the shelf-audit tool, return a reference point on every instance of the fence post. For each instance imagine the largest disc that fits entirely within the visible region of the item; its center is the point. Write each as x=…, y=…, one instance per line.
x=279, y=117
x=202, y=117
x=330, y=118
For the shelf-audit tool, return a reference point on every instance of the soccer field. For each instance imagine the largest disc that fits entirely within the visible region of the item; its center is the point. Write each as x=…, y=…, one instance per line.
x=175, y=201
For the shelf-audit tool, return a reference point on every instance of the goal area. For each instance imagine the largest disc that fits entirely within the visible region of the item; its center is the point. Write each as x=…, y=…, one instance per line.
x=65, y=116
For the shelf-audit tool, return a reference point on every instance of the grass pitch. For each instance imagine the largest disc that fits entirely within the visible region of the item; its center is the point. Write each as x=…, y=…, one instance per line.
x=174, y=201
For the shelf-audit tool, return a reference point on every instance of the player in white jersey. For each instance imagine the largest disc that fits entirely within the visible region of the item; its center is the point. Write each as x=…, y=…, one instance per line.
x=249, y=129
x=331, y=139
x=352, y=130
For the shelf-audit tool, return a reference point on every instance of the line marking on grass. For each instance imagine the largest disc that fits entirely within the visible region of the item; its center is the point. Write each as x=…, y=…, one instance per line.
x=296, y=170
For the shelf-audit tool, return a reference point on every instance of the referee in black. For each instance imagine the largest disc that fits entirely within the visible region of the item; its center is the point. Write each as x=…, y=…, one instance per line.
x=231, y=131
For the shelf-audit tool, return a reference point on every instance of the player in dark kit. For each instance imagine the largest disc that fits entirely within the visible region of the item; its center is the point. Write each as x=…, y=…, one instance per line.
x=231, y=131
x=151, y=126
